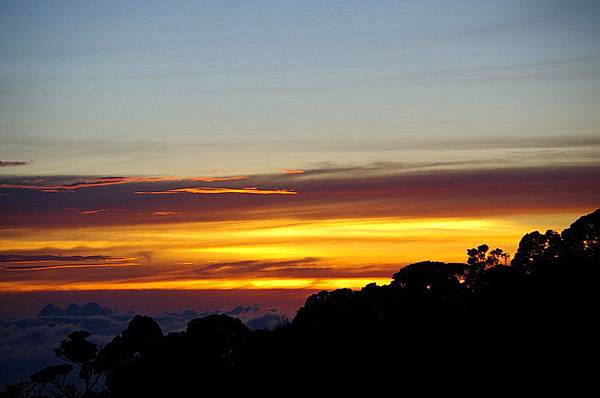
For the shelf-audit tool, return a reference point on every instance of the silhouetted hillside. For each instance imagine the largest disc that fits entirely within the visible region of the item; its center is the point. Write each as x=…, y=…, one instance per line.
x=435, y=325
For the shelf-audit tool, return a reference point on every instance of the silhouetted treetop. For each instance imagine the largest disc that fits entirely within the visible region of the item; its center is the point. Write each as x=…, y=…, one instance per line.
x=480, y=257
x=218, y=331
x=76, y=348
x=429, y=275
x=536, y=248
x=142, y=331
x=582, y=238
x=580, y=243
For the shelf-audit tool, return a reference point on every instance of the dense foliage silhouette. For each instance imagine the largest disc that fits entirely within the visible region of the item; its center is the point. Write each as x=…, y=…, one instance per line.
x=435, y=325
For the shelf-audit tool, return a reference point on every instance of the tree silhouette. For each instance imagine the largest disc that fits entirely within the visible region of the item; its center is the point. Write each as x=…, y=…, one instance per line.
x=52, y=381
x=536, y=248
x=429, y=275
x=582, y=238
x=480, y=258
x=141, y=333
x=81, y=352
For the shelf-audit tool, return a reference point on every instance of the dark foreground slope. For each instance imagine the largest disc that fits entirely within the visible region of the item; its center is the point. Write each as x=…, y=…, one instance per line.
x=436, y=325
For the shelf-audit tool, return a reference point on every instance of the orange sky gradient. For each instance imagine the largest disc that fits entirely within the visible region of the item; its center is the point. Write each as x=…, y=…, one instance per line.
x=343, y=252
x=320, y=229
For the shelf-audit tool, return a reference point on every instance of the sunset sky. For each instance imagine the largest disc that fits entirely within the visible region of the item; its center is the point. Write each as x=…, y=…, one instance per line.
x=257, y=151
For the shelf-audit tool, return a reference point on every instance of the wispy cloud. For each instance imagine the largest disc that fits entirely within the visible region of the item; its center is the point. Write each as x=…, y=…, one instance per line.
x=90, y=212
x=89, y=183
x=109, y=181
x=4, y=163
x=164, y=213
x=25, y=262
x=12, y=258
x=214, y=190
x=217, y=179
x=254, y=266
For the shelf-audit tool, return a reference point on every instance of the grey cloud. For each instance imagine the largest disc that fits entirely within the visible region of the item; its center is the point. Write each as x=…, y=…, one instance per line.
x=268, y=320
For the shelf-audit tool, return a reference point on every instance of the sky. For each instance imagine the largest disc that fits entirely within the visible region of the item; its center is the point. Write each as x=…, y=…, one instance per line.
x=213, y=153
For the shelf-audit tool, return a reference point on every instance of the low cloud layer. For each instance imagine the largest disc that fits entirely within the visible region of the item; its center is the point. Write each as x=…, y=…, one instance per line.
x=43, y=333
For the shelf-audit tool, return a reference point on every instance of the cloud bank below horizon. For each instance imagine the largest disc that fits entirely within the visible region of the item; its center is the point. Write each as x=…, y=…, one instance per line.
x=44, y=332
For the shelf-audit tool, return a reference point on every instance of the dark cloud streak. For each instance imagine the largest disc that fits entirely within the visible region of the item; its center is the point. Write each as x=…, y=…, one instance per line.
x=26, y=262
x=4, y=163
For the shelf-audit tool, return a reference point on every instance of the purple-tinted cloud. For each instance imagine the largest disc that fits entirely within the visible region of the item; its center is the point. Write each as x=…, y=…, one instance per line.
x=377, y=190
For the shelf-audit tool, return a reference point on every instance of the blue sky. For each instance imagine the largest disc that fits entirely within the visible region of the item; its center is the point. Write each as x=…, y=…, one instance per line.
x=186, y=87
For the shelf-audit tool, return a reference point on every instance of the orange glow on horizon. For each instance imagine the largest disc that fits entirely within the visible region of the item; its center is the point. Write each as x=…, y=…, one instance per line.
x=199, y=284
x=259, y=254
